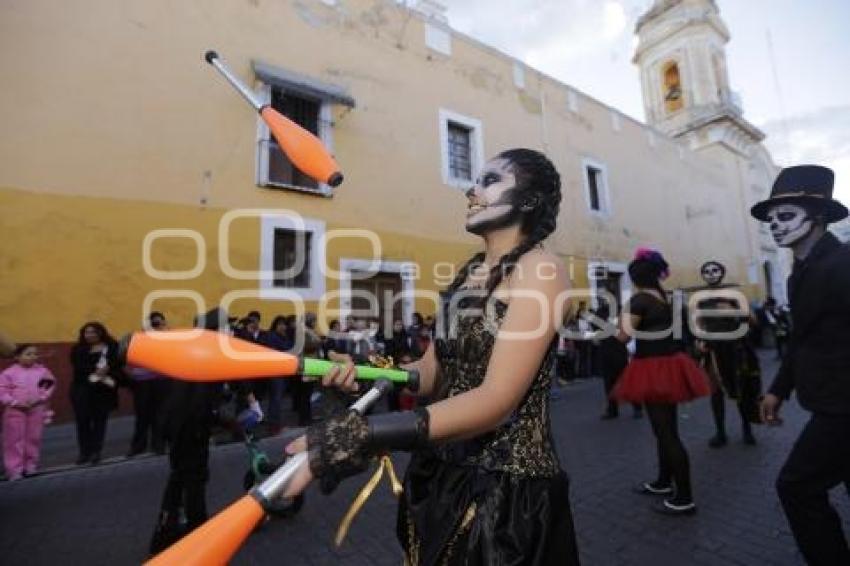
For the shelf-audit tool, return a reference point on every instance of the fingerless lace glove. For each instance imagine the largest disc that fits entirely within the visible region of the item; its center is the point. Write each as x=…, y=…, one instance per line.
x=342, y=445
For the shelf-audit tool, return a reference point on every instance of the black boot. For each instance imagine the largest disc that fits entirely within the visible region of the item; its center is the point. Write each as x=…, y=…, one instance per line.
x=719, y=440
x=746, y=427
x=612, y=411
x=718, y=410
x=167, y=532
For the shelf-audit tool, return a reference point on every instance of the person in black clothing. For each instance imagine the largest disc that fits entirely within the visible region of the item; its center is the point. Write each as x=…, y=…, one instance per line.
x=661, y=376
x=278, y=338
x=817, y=363
x=190, y=412
x=415, y=332
x=777, y=320
x=723, y=360
x=612, y=359
x=149, y=393
x=308, y=343
x=584, y=347
x=398, y=348
x=484, y=483
x=398, y=345
x=250, y=392
x=94, y=389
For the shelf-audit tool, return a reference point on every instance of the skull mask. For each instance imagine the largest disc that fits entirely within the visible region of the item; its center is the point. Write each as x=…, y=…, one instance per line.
x=789, y=223
x=713, y=273
x=495, y=201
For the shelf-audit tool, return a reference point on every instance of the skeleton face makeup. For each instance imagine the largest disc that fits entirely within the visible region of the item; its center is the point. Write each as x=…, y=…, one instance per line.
x=494, y=200
x=789, y=223
x=712, y=273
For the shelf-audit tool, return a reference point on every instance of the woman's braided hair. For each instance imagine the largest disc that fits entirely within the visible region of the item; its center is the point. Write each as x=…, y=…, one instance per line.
x=540, y=184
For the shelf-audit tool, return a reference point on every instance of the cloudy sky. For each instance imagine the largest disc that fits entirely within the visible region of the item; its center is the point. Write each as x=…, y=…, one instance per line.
x=798, y=91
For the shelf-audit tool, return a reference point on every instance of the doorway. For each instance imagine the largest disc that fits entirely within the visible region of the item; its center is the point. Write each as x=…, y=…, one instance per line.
x=376, y=295
x=609, y=277
x=391, y=284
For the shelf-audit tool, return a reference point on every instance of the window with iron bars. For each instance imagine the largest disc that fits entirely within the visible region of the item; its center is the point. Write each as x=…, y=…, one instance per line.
x=279, y=171
x=594, y=176
x=460, y=152
x=287, y=247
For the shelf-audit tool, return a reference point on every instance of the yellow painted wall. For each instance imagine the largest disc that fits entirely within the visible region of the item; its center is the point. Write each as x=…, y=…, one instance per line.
x=112, y=122
x=74, y=259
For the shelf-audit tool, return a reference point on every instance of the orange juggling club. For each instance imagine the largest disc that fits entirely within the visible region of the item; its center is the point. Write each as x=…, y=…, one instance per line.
x=215, y=542
x=303, y=149
x=204, y=355
x=208, y=356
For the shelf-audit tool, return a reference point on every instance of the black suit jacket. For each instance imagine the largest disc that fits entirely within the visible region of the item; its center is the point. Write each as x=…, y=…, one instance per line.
x=817, y=363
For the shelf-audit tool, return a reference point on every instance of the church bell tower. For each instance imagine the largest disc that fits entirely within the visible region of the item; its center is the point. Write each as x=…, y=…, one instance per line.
x=682, y=59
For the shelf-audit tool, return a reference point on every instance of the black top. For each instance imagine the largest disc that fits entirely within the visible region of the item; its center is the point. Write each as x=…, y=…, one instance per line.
x=84, y=362
x=655, y=316
x=817, y=364
x=719, y=324
x=398, y=346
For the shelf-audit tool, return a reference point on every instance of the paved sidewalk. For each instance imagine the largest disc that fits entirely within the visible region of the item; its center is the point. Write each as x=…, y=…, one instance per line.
x=105, y=514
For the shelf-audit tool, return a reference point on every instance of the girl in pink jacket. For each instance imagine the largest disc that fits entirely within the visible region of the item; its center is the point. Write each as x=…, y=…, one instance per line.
x=25, y=388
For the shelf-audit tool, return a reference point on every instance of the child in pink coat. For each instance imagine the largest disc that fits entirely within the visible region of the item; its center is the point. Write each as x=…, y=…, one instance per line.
x=25, y=388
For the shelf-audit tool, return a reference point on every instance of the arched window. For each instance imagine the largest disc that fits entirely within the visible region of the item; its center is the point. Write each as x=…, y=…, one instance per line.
x=672, y=87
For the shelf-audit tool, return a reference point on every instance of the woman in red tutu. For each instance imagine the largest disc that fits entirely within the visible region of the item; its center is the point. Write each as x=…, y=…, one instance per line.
x=660, y=376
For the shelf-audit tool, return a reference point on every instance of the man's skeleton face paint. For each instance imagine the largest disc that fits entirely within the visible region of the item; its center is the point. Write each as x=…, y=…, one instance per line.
x=494, y=200
x=789, y=223
x=712, y=273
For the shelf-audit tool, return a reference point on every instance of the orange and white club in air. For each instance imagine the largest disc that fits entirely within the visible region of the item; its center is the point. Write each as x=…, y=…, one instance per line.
x=303, y=149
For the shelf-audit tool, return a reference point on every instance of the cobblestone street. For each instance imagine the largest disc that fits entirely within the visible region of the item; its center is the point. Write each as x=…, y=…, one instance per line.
x=105, y=515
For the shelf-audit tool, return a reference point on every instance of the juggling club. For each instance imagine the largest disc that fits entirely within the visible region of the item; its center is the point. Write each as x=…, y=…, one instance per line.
x=302, y=148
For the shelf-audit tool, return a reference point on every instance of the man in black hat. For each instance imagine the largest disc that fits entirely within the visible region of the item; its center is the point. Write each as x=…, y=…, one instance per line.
x=817, y=362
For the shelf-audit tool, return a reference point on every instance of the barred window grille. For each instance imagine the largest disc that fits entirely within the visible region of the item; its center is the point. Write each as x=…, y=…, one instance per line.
x=286, y=250
x=460, y=152
x=305, y=113
x=593, y=185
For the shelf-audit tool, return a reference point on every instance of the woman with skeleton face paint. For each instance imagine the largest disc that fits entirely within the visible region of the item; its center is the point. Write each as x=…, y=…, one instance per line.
x=484, y=484
x=730, y=363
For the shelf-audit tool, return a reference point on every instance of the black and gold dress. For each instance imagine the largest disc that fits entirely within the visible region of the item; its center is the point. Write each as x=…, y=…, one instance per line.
x=500, y=498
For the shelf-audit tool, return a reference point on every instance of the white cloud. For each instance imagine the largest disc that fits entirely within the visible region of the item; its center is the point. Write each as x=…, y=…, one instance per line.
x=614, y=16
x=541, y=32
x=584, y=43
x=821, y=137
x=589, y=44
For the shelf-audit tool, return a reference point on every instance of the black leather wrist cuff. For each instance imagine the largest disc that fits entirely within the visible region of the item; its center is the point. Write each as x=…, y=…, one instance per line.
x=406, y=430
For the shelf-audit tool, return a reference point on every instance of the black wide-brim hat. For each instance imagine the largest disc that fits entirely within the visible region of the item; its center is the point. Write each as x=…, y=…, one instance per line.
x=803, y=184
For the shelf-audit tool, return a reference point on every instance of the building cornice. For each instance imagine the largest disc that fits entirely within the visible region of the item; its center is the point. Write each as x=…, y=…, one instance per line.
x=649, y=44
x=659, y=8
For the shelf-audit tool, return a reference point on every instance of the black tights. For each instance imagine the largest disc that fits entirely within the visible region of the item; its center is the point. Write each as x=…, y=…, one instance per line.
x=718, y=408
x=673, y=464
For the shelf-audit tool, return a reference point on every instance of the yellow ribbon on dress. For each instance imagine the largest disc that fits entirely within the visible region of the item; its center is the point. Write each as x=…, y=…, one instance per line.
x=384, y=464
